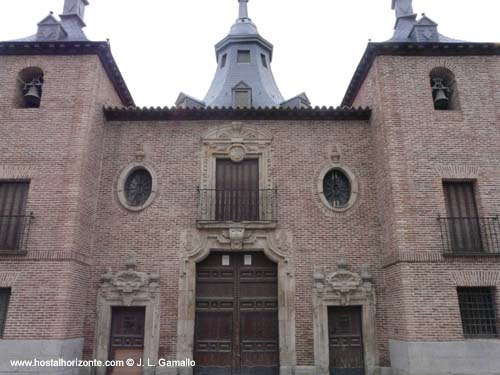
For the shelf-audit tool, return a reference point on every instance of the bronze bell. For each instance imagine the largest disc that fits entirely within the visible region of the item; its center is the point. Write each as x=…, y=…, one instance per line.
x=32, y=95
x=441, y=100
x=441, y=93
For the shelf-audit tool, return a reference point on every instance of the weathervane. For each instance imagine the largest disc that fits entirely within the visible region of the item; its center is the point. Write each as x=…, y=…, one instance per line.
x=403, y=8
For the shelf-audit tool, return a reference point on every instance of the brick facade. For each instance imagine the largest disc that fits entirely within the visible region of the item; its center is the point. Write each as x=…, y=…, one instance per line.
x=73, y=158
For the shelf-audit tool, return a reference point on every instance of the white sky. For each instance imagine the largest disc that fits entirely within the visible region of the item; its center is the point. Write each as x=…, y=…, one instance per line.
x=166, y=46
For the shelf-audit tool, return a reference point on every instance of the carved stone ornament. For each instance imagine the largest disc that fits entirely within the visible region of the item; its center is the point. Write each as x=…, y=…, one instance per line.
x=129, y=284
x=236, y=237
x=190, y=240
x=237, y=153
x=343, y=283
x=282, y=240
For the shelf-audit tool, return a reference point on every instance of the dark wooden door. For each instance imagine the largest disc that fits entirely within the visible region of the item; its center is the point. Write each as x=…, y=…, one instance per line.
x=345, y=341
x=463, y=221
x=127, y=338
x=237, y=190
x=236, y=329
x=13, y=198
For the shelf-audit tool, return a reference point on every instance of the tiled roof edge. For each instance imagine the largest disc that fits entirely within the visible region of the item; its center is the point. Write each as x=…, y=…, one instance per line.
x=215, y=113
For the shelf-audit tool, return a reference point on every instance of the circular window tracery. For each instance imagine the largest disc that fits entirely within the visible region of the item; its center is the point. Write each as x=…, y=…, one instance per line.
x=138, y=187
x=337, y=188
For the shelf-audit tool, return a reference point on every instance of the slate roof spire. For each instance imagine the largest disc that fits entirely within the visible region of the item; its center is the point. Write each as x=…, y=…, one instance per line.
x=68, y=29
x=409, y=29
x=243, y=77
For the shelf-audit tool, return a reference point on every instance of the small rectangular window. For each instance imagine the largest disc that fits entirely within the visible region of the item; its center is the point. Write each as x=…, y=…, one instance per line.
x=4, y=304
x=242, y=98
x=263, y=58
x=478, y=312
x=243, y=56
x=223, y=61
x=13, y=198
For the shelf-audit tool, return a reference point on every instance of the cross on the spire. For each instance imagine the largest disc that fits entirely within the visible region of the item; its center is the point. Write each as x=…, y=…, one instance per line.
x=243, y=8
x=403, y=8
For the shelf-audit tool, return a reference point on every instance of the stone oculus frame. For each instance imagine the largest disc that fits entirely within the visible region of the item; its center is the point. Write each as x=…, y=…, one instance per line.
x=277, y=246
x=235, y=142
x=344, y=288
x=128, y=288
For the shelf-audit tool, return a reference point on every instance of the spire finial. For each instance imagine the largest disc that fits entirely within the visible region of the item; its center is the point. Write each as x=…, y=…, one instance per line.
x=243, y=8
x=75, y=7
x=403, y=8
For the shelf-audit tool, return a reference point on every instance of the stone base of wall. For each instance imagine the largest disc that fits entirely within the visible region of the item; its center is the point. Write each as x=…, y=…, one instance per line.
x=41, y=350
x=470, y=357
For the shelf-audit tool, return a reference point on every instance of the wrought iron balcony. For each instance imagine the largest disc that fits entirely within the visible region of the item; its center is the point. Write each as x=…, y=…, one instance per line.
x=237, y=206
x=14, y=233
x=470, y=235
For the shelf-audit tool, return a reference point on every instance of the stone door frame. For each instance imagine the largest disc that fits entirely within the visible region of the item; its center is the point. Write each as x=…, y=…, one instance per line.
x=126, y=289
x=198, y=246
x=344, y=288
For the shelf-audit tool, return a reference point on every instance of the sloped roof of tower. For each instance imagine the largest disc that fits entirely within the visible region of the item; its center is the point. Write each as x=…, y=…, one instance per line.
x=70, y=28
x=66, y=37
x=413, y=37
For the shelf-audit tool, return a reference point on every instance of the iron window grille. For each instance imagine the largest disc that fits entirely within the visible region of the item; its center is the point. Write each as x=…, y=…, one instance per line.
x=4, y=304
x=478, y=311
x=238, y=205
x=470, y=235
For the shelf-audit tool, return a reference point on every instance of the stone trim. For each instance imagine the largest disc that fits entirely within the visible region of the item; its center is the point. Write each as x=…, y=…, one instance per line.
x=277, y=246
x=126, y=172
x=128, y=288
x=353, y=180
x=344, y=288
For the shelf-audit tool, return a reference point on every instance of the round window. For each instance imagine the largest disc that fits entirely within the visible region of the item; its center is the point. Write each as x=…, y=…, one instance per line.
x=337, y=188
x=138, y=187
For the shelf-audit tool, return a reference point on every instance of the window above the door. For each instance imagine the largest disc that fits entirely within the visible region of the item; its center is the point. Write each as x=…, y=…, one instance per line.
x=236, y=187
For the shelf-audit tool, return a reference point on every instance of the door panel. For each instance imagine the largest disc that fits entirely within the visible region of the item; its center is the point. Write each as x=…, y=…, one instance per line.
x=236, y=330
x=127, y=338
x=345, y=341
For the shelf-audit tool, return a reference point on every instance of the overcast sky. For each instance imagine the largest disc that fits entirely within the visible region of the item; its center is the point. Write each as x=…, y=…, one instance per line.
x=166, y=46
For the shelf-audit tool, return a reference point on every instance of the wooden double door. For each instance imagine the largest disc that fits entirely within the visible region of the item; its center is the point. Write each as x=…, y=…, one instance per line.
x=345, y=340
x=236, y=329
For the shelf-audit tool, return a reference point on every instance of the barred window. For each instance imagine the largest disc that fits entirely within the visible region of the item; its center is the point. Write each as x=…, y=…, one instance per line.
x=4, y=303
x=477, y=308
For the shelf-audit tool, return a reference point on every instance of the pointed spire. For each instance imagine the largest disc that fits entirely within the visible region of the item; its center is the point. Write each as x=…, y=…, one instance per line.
x=404, y=8
x=72, y=18
x=243, y=9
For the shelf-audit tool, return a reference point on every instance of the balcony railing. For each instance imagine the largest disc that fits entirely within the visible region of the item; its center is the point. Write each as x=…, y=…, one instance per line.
x=14, y=233
x=470, y=235
x=238, y=205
